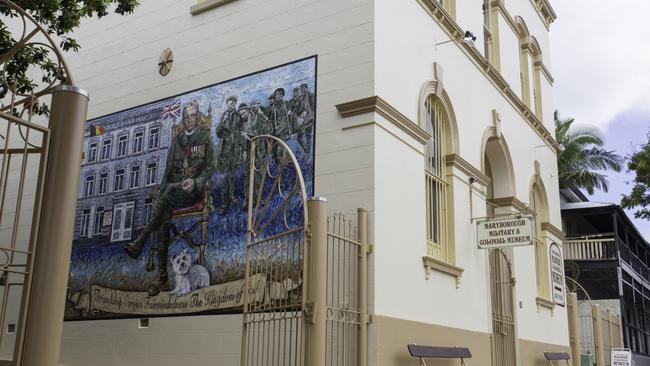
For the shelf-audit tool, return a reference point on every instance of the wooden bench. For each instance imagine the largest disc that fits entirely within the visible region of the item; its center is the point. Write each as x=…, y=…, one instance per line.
x=423, y=352
x=557, y=356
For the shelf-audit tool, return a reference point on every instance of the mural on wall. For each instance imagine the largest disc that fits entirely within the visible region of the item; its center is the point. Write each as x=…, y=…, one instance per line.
x=162, y=209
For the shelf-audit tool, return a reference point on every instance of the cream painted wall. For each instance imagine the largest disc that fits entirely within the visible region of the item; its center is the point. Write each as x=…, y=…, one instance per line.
x=365, y=48
x=509, y=56
x=118, y=66
x=473, y=98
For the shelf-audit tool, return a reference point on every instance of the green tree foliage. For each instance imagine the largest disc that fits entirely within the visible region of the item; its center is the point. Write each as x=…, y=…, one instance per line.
x=583, y=161
x=639, y=198
x=60, y=18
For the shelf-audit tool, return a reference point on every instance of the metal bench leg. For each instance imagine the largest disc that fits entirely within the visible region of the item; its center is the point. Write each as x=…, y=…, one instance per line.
x=422, y=363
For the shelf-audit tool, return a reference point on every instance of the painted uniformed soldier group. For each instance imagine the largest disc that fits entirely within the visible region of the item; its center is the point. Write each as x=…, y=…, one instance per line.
x=192, y=159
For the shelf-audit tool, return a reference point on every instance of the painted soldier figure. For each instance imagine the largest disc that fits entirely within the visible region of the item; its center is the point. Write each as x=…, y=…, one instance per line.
x=303, y=115
x=247, y=133
x=189, y=168
x=261, y=125
x=279, y=115
x=231, y=151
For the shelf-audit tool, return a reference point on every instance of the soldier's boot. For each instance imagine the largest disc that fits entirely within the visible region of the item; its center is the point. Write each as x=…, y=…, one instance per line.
x=134, y=248
x=160, y=281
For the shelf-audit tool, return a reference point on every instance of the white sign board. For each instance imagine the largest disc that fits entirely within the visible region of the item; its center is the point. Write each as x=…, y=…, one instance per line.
x=504, y=232
x=621, y=357
x=557, y=274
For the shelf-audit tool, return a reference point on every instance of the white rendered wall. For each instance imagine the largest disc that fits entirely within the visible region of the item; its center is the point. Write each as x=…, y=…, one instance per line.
x=118, y=66
x=401, y=70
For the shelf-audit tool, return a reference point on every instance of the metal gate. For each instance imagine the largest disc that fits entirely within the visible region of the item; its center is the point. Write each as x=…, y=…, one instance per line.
x=347, y=251
x=503, y=318
x=29, y=143
x=312, y=268
x=277, y=244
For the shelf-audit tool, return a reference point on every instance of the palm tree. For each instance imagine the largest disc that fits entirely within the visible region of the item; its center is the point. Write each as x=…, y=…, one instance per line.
x=583, y=159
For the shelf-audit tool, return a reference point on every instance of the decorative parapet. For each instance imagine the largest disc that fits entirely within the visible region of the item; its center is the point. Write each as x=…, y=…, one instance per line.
x=454, y=31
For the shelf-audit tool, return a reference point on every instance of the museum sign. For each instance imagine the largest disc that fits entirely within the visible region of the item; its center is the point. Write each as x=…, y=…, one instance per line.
x=504, y=232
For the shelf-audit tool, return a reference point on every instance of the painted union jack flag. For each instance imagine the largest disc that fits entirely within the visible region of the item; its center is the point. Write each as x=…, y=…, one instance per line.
x=172, y=110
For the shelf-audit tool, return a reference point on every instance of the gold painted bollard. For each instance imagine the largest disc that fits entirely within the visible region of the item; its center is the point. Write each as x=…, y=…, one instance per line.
x=316, y=323
x=44, y=317
x=574, y=327
x=598, y=335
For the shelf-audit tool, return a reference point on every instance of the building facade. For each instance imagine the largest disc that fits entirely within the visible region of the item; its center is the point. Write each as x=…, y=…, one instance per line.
x=426, y=128
x=123, y=163
x=608, y=257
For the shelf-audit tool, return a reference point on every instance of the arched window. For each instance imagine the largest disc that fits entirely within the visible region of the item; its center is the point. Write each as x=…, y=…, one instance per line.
x=524, y=60
x=436, y=122
x=536, y=54
x=540, y=207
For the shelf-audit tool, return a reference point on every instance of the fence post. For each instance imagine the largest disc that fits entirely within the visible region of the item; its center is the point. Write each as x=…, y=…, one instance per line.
x=610, y=332
x=574, y=327
x=621, y=342
x=598, y=335
x=44, y=320
x=317, y=298
x=362, y=232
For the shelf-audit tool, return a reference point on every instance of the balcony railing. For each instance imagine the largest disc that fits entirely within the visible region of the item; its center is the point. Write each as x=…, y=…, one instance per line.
x=590, y=248
x=603, y=247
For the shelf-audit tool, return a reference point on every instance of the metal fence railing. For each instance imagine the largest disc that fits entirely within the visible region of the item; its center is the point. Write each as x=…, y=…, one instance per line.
x=593, y=332
x=346, y=291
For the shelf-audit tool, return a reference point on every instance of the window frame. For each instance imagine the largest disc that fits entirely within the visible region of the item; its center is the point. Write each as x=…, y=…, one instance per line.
x=119, y=180
x=122, y=145
x=84, y=223
x=134, y=176
x=138, y=141
x=439, y=224
x=106, y=150
x=151, y=144
x=93, y=148
x=151, y=174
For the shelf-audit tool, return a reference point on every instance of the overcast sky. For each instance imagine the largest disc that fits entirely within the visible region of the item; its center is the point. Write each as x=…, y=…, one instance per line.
x=600, y=58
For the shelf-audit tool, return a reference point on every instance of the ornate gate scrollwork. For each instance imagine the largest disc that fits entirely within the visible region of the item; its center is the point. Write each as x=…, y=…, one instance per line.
x=277, y=243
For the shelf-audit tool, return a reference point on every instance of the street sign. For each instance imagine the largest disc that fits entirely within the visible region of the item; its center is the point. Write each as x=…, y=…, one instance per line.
x=504, y=232
x=621, y=357
x=557, y=274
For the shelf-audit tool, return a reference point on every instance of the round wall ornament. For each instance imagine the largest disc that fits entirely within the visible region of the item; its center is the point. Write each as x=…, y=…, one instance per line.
x=165, y=62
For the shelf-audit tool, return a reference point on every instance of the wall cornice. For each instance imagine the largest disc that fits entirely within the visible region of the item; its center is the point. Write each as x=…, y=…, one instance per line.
x=545, y=11
x=547, y=226
x=513, y=202
x=207, y=5
x=463, y=165
x=377, y=105
x=454, y=31
x=545, y=71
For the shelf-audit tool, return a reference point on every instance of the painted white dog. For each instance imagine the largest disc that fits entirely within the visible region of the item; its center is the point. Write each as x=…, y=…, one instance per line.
x=188, y=277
